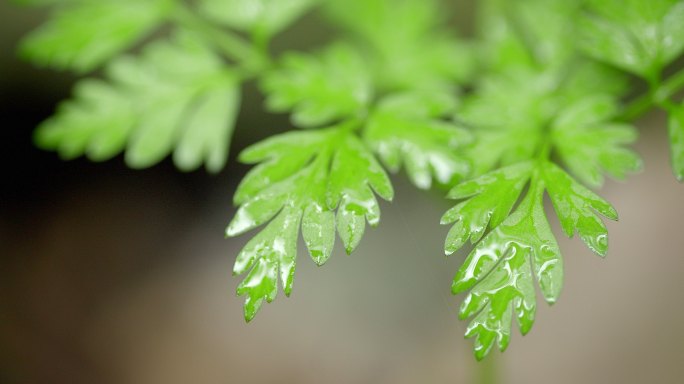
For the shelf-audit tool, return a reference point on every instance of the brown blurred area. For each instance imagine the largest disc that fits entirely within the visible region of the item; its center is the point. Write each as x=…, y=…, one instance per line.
x=109, y=275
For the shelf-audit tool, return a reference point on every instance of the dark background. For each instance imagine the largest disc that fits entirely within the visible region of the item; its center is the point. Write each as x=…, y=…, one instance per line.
x=109, y=275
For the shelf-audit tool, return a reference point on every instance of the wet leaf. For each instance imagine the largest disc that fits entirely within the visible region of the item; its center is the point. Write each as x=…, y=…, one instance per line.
x=406, y=129
x=576, y=207
x=499, y=274
x=489, y=200
x=321, y=181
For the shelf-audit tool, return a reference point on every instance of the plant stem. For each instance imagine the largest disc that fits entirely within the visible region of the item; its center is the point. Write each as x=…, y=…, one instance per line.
x=659, y=97
x=231, y=45
x=487, y=370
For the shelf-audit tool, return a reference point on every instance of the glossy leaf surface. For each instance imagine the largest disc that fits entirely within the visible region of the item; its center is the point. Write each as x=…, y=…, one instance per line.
x=302, y=179
x=489, y=200
x=499, y=274
x=576, y=207
x=176, y=97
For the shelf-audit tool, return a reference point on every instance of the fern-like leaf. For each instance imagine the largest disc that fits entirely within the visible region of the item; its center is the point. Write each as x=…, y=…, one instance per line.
x=302, y=179
x=83, y=34
x=177, y=97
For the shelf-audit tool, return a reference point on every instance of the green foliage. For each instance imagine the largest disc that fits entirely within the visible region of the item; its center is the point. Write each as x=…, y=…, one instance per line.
x=262, y=17
x=320, y=89
x=575, y=206
x=405, y=128
x=303, y=178
x=420, y=54
x=590, y=144
x=83, y=34
x=176, y=97
x=636, y=35
x=675, y=130
x=544, y=90
x=498, y=273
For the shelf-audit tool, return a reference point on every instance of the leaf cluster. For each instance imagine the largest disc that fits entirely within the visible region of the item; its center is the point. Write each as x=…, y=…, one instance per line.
x=539, y=103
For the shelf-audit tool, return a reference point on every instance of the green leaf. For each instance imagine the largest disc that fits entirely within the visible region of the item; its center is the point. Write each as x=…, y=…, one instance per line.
x=676, y=134
x=83, y=34
x=178, y=95
x=302, y=179
x=638, y=36
x=498, y=272
x=490, y=199
x=417, y=55
x=590, y=144
x=320, y=89
x=39, y=3
x=257, y=16
x=509, y=111
x=575, y=206
x=406, y=128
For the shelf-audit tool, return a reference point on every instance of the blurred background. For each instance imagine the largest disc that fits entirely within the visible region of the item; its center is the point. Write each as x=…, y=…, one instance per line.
x=109, y=275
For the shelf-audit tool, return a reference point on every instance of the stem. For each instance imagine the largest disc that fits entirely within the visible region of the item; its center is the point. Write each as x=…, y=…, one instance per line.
x=231, y=45
x=659, y=97
x=487, y=370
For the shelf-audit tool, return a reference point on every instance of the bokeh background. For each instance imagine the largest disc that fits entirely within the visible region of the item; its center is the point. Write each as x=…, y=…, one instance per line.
x=109, y=275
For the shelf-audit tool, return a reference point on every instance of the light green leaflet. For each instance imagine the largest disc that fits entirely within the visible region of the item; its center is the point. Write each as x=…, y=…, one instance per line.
x=498, y=272
x=575, y=206
x=676, y=133
x=177, y=97
x=83, y=34
x=490, y=199
x=302, y=178
x=418, y=55
x=405, y=128
x=266, y=17
x=512, y=111
x=590, y=144
x=638, y=36
x=320, y=89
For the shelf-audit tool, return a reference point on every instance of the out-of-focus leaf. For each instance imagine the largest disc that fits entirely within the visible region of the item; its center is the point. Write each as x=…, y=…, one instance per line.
x=320, y=89
x=676, y=133
x=591, y=145
x=261, y=16
x=177, y=96
x=406, y=129
x=83, y=34
x=640, y=36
